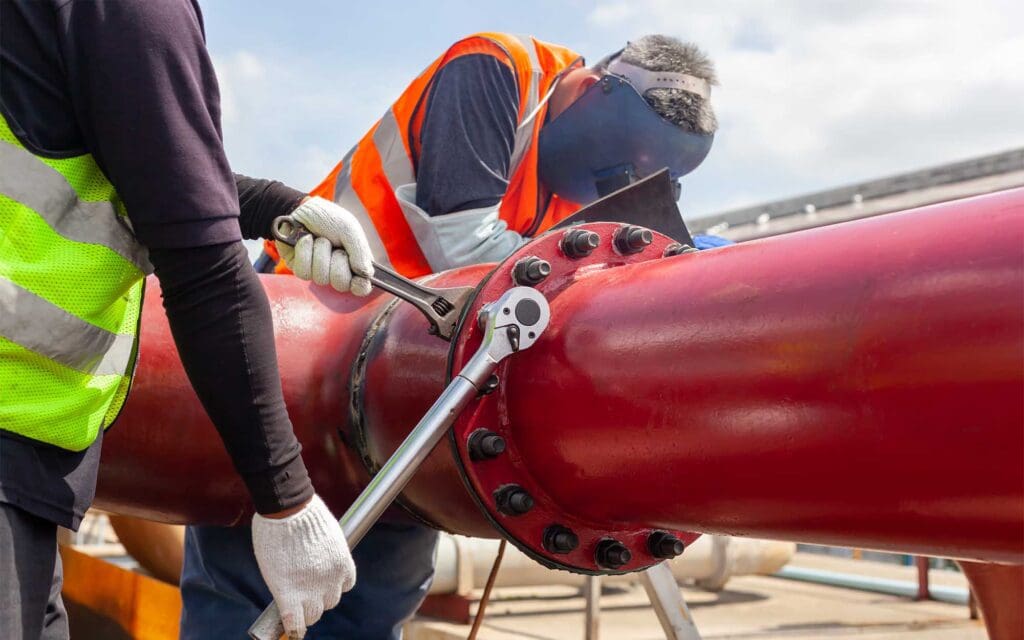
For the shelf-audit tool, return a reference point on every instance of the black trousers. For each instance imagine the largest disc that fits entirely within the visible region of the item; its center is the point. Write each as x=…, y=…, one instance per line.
x=30, y=578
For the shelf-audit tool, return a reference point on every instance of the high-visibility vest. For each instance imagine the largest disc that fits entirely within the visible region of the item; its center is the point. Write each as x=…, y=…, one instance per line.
x=365, y=180
x=71, y=285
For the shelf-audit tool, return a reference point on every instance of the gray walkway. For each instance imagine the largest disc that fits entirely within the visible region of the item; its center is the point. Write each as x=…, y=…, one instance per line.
x=750, y=608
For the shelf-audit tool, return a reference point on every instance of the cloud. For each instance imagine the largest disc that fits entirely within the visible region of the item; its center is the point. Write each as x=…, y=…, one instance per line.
x=813, y=94
x=818, y=94
x=608, y=15
x=292, y=117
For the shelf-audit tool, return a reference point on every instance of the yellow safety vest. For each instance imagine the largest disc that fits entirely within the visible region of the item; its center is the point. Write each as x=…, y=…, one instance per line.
x=71, y=285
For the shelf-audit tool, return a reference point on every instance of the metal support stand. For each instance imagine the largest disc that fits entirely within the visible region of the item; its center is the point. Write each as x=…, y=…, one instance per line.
x=592, y=616
x=923, y=590
x=667, y=602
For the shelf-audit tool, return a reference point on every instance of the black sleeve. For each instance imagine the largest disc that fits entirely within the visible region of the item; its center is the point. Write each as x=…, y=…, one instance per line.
x=467, y=136
x=220, y=319
x=148, y=106
x=261, y=201
x=147, y=102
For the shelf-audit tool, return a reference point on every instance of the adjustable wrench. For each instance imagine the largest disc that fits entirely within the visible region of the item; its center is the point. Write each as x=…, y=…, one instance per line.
x=442, y=307
x=511, y=323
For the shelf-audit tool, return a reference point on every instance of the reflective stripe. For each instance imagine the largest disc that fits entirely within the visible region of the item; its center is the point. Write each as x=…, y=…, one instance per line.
x=43, y=189
x=366, y=181
x=527, y=43
x=393, y=156
x=524, y=132
x=40, y=326
x=345, y=196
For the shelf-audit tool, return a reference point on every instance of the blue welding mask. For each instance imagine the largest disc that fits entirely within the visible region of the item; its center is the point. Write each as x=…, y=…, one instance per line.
x=610, y=137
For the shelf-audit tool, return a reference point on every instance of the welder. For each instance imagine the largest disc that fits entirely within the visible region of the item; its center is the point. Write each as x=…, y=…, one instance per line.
x=499, y=139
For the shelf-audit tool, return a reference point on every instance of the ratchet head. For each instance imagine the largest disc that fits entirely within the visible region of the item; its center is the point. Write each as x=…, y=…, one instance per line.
x=511, y=323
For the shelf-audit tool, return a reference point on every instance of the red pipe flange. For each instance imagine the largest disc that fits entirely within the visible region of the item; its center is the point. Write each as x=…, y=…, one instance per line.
x=485, y=436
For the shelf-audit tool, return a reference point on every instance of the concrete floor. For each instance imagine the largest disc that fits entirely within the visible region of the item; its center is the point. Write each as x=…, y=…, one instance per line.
x=750, y=608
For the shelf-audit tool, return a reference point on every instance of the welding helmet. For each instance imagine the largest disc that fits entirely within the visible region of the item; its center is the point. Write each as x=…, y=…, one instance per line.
x=610, y=136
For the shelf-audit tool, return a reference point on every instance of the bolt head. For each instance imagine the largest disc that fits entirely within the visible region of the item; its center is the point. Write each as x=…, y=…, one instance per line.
x=579, y=243
x=513, y=500
x=485, y=444
x=492, y=445
x=559, y=539
x=664, y=545
x=530, y=271
x=520, y=502
x=676, y=249
x=612, y=554
x=490, y=385
x=630, y=239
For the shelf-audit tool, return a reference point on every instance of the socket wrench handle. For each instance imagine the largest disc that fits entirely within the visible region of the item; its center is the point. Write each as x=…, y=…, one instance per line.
x=511, y=323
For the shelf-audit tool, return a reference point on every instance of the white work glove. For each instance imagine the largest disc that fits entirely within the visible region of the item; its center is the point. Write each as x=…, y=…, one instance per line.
x=337, y=253
x=305, y=562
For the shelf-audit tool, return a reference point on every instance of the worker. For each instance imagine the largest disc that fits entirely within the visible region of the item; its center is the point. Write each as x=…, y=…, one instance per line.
x=504, y=136
x=500, y=138
x=112, y=166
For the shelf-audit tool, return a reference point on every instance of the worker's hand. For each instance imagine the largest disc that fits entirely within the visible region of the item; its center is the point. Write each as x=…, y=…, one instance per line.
x=337, y=253
x=305, y=562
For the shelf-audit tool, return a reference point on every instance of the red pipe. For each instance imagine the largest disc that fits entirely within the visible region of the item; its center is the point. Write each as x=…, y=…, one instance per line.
x=857, y=385
x=162, y=459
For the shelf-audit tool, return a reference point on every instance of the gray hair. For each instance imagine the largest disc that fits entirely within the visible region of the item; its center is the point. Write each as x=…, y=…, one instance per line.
x=665, y=53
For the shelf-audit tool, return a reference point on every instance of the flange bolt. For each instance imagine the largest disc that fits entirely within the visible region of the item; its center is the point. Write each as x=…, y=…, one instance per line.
x=489, y=385
x=579, y=243
x=612, y=554
x=630, y=239
x=513, y=500
x=664, y=545
x=676, y=249
x=484, y=444
x=559, y=539
x=530, y=271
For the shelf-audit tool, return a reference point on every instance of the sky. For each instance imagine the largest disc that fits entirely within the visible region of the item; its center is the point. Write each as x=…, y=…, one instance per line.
x=812, y=94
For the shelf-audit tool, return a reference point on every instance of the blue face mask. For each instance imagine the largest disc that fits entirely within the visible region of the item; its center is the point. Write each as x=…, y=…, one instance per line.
x=608, y=133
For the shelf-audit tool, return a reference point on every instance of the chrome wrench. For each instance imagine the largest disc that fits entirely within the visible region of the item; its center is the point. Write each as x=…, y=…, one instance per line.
x=511, y=323
x=442, y=307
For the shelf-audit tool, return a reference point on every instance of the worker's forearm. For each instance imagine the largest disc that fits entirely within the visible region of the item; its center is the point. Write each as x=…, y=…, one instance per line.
x=261, y=201
x=220, y=319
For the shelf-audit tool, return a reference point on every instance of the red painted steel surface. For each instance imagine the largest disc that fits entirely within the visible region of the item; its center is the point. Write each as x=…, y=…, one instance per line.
x=857, y=385
x=489, y=476
x=405, y=373
x=162, y=459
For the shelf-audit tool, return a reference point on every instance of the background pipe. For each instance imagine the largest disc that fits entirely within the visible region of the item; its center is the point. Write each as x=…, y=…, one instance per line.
x=463, y=564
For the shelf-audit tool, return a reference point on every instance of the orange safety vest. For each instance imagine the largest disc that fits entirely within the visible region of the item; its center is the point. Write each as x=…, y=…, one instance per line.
x=364, y=182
